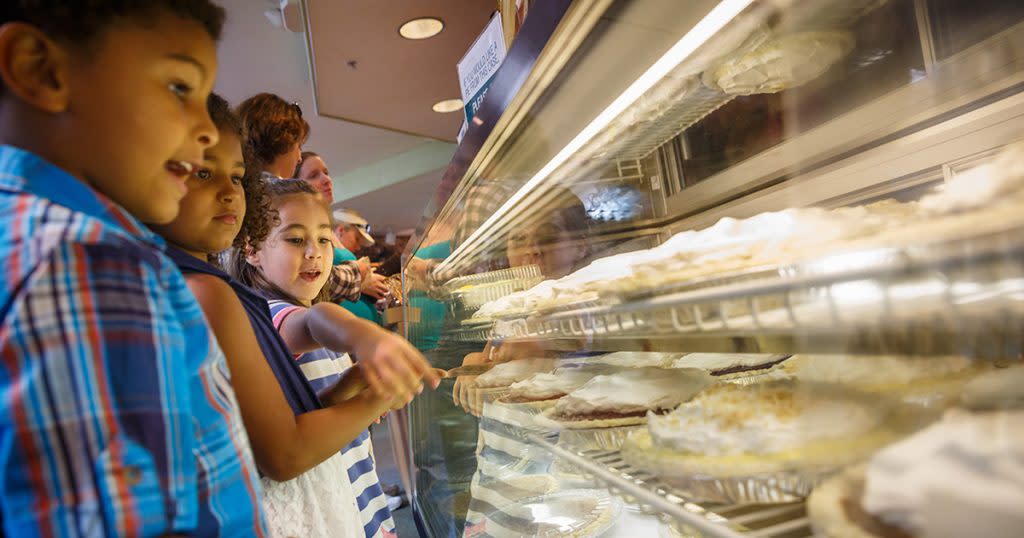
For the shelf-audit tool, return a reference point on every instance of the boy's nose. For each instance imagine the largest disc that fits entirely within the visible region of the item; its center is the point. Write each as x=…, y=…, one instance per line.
x=205, y=131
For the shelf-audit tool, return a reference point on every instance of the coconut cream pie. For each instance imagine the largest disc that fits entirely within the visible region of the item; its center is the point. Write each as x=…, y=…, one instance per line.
x=923, y=380
x=769, y=442
x=544, y=389
x=962, y=476
x=625, y=398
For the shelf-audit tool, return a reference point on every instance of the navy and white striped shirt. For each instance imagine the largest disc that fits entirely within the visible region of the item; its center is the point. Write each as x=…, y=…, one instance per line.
x=323, y=368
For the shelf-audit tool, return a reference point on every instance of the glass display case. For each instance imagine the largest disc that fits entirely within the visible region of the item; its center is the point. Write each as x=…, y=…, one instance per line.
x=736, y=268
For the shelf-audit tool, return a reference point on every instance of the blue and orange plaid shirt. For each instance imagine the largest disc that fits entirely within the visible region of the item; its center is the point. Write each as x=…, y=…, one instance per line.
x=118, y=416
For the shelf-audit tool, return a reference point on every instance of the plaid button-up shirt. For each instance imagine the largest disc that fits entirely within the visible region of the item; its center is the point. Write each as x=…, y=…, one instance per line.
x=118, y=416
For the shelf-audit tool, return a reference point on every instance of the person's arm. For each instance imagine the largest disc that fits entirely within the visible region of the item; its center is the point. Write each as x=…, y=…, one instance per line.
x=347, y=281
x=284, y=445
x=96, y=401
x=393, y=368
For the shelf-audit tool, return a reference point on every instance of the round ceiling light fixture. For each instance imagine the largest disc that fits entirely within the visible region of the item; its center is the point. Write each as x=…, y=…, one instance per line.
x=448, y=105
x=421, y=28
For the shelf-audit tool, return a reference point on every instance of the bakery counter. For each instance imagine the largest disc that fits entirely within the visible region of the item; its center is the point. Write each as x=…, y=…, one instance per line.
x=690, y=445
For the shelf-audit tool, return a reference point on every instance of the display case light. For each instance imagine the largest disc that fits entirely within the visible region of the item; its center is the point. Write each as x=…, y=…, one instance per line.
x=448, y=105
x=421, y=28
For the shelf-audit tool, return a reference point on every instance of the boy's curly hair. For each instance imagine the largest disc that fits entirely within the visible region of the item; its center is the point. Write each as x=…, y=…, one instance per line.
x=259, y=216
x=80, y=21
x=271, y=126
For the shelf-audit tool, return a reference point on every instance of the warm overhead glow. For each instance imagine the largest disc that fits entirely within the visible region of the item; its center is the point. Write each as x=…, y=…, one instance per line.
x=421, y=28
x=448, y=105
x=717, y=18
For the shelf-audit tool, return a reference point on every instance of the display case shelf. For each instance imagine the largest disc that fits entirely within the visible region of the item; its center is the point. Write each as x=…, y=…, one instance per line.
x=656, y=497
x=964, y=295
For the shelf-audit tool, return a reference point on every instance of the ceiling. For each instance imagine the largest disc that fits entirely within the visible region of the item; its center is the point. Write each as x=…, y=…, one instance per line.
x=392, y=205
x=257, y=56
x=367, y=73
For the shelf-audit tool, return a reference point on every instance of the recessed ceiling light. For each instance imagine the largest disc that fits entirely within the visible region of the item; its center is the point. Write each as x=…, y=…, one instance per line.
x=421, y=28
x=448, y=105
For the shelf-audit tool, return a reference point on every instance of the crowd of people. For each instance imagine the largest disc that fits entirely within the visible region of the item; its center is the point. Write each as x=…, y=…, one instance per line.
x=187, y=337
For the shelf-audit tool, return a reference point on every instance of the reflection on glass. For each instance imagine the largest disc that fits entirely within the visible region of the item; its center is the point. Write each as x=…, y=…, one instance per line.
x=886, y=55
x=956, y=24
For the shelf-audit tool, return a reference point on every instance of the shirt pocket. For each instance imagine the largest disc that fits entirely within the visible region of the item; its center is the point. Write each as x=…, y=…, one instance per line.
x=130, y=493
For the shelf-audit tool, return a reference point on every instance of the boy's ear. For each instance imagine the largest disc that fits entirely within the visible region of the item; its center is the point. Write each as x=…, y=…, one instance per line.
x=33, y=67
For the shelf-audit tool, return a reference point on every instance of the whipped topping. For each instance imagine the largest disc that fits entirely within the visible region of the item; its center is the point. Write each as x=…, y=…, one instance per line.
x=517, y=302
x=759, y=419
x=980, y=186
x=553, y=385
x=629, y=391
x=962, y=476
x=507, y=373
x=870, y=372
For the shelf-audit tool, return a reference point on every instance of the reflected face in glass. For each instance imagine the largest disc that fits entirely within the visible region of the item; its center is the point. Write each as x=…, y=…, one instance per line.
x=554, y=250
x=521, y=250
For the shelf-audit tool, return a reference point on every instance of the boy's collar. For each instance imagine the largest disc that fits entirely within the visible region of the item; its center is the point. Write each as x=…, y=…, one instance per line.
x=24, y=171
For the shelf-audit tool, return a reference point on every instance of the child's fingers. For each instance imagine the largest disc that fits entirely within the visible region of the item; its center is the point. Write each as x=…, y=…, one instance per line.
x=374, y=381
x=409, y=377
x=418, y=363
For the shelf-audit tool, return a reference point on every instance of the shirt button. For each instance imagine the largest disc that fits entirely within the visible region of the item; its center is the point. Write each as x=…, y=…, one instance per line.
x=132, y=476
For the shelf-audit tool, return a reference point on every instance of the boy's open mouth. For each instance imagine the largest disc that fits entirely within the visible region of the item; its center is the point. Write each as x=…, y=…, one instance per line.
x=310, y=276
x=179, y=168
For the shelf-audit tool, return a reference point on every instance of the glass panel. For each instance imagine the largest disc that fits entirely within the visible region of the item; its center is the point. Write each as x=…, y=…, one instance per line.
x=956, y=24
x=775, y=173
x=886, y=55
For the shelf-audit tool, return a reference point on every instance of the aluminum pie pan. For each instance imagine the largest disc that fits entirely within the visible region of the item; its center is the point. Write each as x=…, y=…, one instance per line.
x=579, y=513
x=770, y=482
x=604, y=439
x=517, y=415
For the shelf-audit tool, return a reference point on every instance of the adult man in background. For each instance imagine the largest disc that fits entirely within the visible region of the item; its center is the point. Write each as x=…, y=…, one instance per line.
x=353, y=234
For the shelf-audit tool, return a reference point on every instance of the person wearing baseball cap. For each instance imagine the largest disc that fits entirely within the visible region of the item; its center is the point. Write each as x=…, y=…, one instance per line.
x=353, y=233
x=352, y=229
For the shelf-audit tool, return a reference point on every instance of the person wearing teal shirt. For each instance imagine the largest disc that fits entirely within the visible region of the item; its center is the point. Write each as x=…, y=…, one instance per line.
x=352, y=233
x=427, y=332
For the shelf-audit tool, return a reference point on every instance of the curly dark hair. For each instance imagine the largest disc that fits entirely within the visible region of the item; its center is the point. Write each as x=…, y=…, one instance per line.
x=271, y=126
x=241, y=270
x=80, y=21
x=258, y=216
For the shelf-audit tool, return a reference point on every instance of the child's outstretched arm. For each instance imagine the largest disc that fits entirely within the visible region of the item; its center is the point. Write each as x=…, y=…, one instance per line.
x=284, y=445
x=393, y=367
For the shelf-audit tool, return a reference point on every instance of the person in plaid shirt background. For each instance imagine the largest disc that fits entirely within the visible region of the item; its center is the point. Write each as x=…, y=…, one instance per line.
x=118, y=417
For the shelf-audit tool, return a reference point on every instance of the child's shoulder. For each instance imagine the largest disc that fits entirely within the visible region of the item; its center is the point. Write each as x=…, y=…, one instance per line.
x=36, y=232
x=280, y=308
